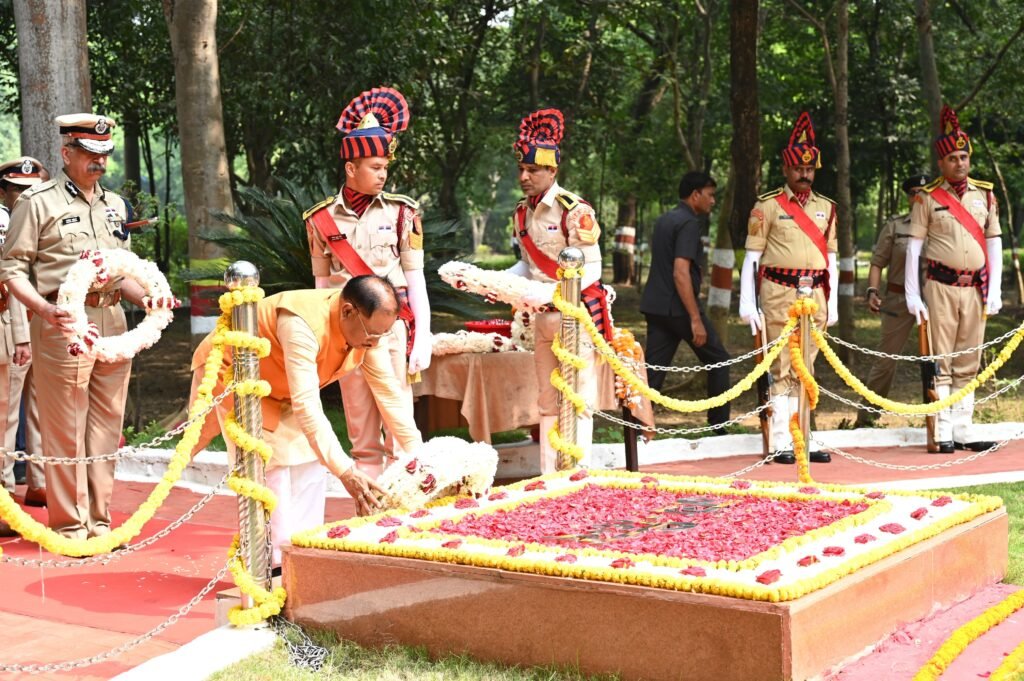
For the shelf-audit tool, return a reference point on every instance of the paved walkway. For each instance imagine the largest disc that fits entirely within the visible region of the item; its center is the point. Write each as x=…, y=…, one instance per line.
x=53, y=615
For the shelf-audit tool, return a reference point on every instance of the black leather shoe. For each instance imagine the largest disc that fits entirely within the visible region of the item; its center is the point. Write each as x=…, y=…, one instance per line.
x=785, y=457
x=820, y=457
x=275, y=572
x=946, y=447
x=978, y=446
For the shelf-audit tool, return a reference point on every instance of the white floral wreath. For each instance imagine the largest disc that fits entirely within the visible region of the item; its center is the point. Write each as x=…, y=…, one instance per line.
x=444, y=466
x=495, y=285
x=96, y=268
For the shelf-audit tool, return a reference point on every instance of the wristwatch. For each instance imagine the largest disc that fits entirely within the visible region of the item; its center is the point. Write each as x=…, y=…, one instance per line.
x=871, y=289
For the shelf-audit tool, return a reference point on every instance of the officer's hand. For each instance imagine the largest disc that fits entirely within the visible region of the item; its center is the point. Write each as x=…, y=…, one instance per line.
x=994, y=304
x=700, y=334
x=422, y=352
x=363, y=490
x=748, y=313
x=874, y=302
x=916, y=307
x=22, y=354
x=58, y=317
x=535, y=301
x=833, y=316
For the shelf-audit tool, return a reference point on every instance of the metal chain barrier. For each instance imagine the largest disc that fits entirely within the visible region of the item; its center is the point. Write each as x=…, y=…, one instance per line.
x=680, y=431
x=128, y=452
x=754, y=466
x=306, y=653
x=703, y=367
x=105, y=558
x=923, y=358
x=924, y=467
x=120, y=650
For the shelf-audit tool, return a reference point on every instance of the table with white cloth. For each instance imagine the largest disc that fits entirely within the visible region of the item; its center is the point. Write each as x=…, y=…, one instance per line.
x=497, y=391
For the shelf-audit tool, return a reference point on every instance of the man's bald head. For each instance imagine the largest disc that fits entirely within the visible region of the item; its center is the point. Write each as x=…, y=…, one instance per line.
x=370, y=293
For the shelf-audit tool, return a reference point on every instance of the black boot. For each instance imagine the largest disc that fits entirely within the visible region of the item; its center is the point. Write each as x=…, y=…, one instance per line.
x=976, y=446
x=820, y=457
x=785, y=456
x=946, y=447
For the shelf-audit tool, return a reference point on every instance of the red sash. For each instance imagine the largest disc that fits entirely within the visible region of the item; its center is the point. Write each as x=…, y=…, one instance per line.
x=353, y=263
x=957, y=210
x=810, y=228
x=595, y=297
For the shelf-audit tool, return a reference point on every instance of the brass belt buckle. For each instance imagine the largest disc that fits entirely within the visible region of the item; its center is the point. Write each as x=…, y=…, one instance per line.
x=965, y=280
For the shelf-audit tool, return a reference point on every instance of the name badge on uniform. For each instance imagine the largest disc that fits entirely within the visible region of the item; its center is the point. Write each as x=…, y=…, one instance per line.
x=553, y=228
x=978, y=203
x=117, y=222
x=71, y=220
x=385, y=228
x=784, y=216
x=820, y=215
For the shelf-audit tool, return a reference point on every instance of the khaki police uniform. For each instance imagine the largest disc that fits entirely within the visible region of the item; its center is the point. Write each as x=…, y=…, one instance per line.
x=897, y=323
x=544, y=225
x=785, y=246
x=375, y=237
x=81, y=401
x=955, y=313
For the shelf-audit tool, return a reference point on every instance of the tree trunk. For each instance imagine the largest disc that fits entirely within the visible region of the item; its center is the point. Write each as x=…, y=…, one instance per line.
x=929, y=71
x=745, y=147
x=204, y=164
x=845, y=225
x=53, y=72
x=132, y=159
x=723, y=260
x=478, y=224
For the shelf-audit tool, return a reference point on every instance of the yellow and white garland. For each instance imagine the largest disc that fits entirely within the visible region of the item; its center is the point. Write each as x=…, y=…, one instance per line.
x=94, y=269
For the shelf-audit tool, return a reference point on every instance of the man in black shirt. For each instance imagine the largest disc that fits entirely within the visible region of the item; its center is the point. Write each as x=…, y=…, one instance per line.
x=669, y=300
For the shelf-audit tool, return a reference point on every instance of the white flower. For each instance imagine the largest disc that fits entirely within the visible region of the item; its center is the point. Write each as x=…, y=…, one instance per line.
x=444, y=466
x=98, y=267
x=494, y=284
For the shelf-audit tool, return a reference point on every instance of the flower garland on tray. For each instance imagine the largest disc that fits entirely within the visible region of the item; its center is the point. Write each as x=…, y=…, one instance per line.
x=442, y=467
x=495, y=285
x=97, y=268
x=471, y=341
x=523, y=329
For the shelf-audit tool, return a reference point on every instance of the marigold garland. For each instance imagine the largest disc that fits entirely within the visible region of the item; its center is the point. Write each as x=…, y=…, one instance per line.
x=915, y=409
x=802, y=310
x=267, y=603
x=1011, y=667
x=968, y=633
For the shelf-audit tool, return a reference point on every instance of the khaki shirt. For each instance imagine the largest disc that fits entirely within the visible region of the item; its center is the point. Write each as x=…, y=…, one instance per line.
x=949, y=242
x=374, y=236
x=783, y=244
x=544, y=225
x=890, y=251
x=52, y=224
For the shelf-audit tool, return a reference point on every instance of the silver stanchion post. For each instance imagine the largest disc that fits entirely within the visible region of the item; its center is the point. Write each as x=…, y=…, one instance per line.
x=570, y=336
x=805, y=290
x=253, y=520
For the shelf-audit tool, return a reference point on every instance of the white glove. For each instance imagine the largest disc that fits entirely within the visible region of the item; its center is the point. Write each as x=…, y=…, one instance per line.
x=833, y=298
x=748, y=299
x=994, y=246
x=911, y=280
x=422, y=352
x=537, y=299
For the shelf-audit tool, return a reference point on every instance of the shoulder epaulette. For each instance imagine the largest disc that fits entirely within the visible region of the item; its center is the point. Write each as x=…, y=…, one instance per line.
x=932, y=186
x=822, y=196
x=982, y=184
x=770, y=195
x=568, y=201
x=323, y=204
x=401, y=198
x=41, y=187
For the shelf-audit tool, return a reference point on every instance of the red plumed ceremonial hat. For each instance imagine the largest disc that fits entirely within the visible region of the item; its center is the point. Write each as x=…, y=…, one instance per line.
x=952, y=138
x=801, y=150
x=370, y=122
x=539, y=135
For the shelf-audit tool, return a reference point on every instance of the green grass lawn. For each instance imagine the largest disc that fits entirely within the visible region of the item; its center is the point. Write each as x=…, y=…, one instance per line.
x=349, y=661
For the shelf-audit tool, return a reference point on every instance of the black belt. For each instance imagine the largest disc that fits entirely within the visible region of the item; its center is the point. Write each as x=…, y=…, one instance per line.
x=950, y=277
x=792, y=278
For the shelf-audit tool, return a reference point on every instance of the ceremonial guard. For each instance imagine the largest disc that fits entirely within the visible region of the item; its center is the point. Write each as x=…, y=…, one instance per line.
x=81, y=400
x=547, y=220
x=791, y=234
x=317, y=337
x=16, y=350
x=890, y=254
x=365, y=230
x=959, y=217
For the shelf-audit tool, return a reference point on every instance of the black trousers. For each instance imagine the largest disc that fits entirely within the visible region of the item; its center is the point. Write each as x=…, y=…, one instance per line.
x=663, y=337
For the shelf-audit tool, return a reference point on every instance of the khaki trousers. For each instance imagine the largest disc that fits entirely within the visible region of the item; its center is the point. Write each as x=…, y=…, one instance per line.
x=81, y=410
x=775, y=302
x=895, y=332
x=14, y=380
x=362, y=415
x=546, y=328
x=956, y=321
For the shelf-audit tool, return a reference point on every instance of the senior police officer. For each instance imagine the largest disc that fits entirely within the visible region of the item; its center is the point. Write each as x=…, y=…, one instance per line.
x=15, y=350
x=547, y=220
x=81, y=401
x=959, y=217
x=365, y=230
x=791, y=234
x=890, y=254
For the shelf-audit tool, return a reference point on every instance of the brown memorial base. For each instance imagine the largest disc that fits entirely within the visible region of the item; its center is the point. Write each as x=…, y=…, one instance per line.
x=633, y=631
